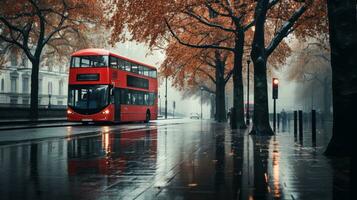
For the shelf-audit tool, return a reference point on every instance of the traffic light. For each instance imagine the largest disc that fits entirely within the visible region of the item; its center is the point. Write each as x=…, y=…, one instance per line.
x=275, y=88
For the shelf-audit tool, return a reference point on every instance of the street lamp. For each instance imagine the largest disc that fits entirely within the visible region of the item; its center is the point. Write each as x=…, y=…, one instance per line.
x=247, y=107
x=49, y=100
x=166, y=97
x=201, y=101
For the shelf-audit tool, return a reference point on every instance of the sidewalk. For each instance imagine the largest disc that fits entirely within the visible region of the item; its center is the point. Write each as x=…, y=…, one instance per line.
x=27, y=123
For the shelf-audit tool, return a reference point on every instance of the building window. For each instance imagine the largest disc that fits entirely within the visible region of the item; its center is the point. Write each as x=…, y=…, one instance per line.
x=60, y=87
x=2, y=85
x=14, y=84
x=25, y=85
x=13, y=60
x=25, y=101
x=13, y=100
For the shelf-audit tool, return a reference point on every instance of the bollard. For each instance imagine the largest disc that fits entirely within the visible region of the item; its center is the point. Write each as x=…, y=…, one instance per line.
x=313, y=127
x=295, y=123
x=300, y=126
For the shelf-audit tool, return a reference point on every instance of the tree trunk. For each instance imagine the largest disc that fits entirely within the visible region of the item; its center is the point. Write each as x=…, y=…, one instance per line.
x=343, y=41
x=238, y=101
x=261, y=124
x=34, y=89
x=220, y=89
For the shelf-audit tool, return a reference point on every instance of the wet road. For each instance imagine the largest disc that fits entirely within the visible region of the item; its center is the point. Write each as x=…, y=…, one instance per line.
x=166, y=159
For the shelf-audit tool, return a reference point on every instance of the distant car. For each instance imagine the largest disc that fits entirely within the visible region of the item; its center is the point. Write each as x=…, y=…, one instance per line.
x=194, y=116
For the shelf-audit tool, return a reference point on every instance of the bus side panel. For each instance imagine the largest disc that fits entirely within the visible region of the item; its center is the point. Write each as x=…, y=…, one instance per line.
x=133, y=113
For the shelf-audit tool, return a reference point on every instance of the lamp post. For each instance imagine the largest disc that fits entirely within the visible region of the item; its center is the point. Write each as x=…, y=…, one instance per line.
x=201, y=101
x=166, y=97
x=49, y=100
x=247, y=107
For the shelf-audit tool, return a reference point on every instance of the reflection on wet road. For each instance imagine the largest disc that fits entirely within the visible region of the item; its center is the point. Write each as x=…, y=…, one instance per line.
x=171, y=160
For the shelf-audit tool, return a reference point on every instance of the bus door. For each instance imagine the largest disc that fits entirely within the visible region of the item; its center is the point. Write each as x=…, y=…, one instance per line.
x=117, y=104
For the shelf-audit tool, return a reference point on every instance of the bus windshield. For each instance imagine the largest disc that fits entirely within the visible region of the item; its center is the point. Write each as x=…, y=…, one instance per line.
x=89, y=99
x=89, y=61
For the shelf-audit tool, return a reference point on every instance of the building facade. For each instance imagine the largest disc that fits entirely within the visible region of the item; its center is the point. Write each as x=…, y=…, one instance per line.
x=15, y=83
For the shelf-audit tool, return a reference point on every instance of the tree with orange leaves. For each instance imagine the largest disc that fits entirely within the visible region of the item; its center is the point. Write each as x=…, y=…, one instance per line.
x=30, y=25
x=192, y=69
x=197, y=24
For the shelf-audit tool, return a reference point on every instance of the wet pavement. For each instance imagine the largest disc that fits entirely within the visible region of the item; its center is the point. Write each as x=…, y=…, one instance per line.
x=169, y=159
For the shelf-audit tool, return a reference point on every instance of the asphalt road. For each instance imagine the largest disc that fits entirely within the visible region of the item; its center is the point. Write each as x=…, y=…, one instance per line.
x=165, y=159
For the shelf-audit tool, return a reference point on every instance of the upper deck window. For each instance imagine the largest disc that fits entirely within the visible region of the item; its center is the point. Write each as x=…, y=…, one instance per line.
x=89, y=61
x=118, y=63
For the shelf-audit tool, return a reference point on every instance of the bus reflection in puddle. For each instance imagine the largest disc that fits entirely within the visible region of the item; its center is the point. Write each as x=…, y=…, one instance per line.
x=112, y=153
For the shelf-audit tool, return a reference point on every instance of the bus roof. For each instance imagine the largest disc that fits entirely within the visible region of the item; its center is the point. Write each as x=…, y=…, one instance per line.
x=103, y=52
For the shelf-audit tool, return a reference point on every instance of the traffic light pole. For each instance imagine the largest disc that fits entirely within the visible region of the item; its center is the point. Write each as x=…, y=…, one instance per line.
x=275, y=96
x=274, y=116
x=247, y=107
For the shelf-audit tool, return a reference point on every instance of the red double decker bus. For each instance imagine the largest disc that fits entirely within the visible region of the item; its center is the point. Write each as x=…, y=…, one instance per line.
x=104, y=86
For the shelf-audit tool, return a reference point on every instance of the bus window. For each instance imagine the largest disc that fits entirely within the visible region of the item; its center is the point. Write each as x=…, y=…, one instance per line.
x=135, y=68
x=140, y=98
x=121, y=64
x=127, y=66
x=141, y=70
x=113, y=62
x=151, y=98
x=75, y=62
x=152, y=73
x=146, y=71
x=146, y=98
x=89, y=61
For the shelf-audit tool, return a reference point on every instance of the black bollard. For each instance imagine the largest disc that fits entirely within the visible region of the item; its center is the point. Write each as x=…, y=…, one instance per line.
x=313, y=127
x=300, y=126
x=295, y=123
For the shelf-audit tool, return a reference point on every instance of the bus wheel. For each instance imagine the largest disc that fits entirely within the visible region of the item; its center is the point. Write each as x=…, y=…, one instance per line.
x=147, y=119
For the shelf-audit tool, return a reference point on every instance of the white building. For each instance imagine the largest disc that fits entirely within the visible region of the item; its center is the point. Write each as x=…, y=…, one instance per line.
x=15, y=82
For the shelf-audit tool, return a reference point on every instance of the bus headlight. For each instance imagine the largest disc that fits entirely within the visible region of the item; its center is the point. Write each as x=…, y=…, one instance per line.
x=106, y=112
x=69, y=111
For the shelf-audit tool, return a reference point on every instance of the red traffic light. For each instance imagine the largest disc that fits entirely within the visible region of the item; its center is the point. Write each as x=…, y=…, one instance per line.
x=275, y=88
x=275, y=81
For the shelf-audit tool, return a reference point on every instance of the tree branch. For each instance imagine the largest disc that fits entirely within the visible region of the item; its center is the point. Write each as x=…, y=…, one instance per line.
x=212, y=46
x=285, y=30
x=228, y=76
x=207, y=23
